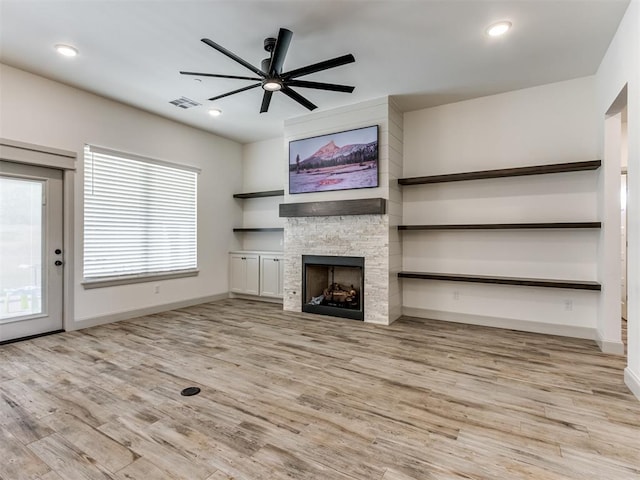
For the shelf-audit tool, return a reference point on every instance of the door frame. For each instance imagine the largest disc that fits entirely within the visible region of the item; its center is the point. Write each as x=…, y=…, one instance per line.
x=609, y=331
x=624, y=248
x=64, y=160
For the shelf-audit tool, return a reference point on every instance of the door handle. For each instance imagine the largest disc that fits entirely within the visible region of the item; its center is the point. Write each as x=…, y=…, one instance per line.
x=57, y=263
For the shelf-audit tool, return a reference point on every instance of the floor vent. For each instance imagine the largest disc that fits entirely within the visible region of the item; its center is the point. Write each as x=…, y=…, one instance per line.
x=184, y=102
x=190, y=391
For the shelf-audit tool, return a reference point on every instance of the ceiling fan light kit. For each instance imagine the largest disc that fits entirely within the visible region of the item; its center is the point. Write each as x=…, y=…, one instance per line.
x=270, y=76
x=272, y=85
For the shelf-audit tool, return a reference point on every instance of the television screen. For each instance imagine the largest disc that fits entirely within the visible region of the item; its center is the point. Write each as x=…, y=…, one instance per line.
x=337, y=161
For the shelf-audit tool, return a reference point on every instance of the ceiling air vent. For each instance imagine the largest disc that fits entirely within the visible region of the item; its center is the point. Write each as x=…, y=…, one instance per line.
x=184, y=102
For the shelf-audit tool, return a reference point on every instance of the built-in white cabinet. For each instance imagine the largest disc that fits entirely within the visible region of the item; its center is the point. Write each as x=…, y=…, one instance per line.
x=271, y=275
x=256, y=273
x=244, y=275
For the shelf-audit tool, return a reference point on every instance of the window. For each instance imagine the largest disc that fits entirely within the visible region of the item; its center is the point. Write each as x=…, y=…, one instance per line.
x=140, y=218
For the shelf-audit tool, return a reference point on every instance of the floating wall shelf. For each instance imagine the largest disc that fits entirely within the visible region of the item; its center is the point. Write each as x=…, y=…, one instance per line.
x=527, y=282
x=505, y=172
x=266, y=193
x=269, y=229
x=505, y=226
x=269, y=193
x=502, y=173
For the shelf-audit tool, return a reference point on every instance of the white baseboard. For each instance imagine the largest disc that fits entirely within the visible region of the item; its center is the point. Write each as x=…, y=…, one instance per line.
x=141, y=312
x=633, y=382
x=508, y=323
x=614, y=348
x=256, y=298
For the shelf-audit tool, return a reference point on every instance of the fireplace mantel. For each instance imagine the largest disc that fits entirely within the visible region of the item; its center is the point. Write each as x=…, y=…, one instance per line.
x=364, y=206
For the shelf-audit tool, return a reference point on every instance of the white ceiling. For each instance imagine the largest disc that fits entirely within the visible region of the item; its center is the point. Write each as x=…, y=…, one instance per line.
x=422, y=52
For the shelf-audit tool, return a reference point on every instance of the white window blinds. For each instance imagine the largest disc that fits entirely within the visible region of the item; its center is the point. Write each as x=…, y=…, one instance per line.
x=139, y=216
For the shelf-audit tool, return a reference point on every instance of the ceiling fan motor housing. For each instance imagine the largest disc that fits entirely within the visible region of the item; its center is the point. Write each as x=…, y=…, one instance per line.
x=269, y=44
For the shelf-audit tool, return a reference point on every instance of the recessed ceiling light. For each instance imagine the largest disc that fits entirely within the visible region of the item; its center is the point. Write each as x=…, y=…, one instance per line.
x=215, y=112
x=66, y=50
x=498, y=29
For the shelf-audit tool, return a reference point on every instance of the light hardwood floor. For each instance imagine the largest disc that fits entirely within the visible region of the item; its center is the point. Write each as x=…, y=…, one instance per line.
x=298, y=396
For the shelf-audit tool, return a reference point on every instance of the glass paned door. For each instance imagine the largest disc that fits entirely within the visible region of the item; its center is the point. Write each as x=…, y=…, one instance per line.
x=21, y=216
x=31, y=250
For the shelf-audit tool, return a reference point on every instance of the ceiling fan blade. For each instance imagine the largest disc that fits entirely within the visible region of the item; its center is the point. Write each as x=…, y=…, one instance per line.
x=317, y=67
x=320, y=86
x=234, y=57
x=236, y=91
x=235, y=77
x=280, y=51
x=266, y=100
x=298, y=98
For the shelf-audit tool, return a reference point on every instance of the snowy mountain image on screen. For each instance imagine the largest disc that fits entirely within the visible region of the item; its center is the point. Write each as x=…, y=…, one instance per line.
x=334, y=167
x=331, y=154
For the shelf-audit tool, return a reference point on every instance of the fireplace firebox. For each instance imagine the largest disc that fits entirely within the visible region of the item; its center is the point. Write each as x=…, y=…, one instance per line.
x=333, y=285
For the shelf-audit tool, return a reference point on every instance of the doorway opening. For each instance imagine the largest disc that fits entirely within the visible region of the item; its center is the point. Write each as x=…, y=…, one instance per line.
x=616, y=151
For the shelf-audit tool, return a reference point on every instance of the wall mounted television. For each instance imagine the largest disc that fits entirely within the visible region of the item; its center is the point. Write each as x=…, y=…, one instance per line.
x=336, y=161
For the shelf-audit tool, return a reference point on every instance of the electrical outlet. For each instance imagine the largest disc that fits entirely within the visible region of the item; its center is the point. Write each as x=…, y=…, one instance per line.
x=456, y=295
x=568, y=305
x=156, y=289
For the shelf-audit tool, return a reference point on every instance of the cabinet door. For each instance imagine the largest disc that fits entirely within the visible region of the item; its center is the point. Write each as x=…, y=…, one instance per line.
x=244, y=273
x=252, y=274
x=237, y=273
x=269, y=276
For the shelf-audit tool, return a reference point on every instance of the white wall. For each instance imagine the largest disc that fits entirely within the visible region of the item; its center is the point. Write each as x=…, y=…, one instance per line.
x=552, y=123
x=548, y=124
x=262, y=165
x=262, y=171
x=40, y=111
x=621, y=66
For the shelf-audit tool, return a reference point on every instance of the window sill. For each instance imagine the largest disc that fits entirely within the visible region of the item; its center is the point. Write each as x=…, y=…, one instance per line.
x=88, y=284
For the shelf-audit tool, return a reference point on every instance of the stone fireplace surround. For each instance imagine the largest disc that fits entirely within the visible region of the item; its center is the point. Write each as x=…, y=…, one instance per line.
x=344, y=235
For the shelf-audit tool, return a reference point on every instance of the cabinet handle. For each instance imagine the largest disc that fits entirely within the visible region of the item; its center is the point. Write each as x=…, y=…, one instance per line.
x=243, y=258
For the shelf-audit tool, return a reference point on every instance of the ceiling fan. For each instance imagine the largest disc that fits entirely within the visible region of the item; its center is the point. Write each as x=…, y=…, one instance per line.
x=270, y=76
